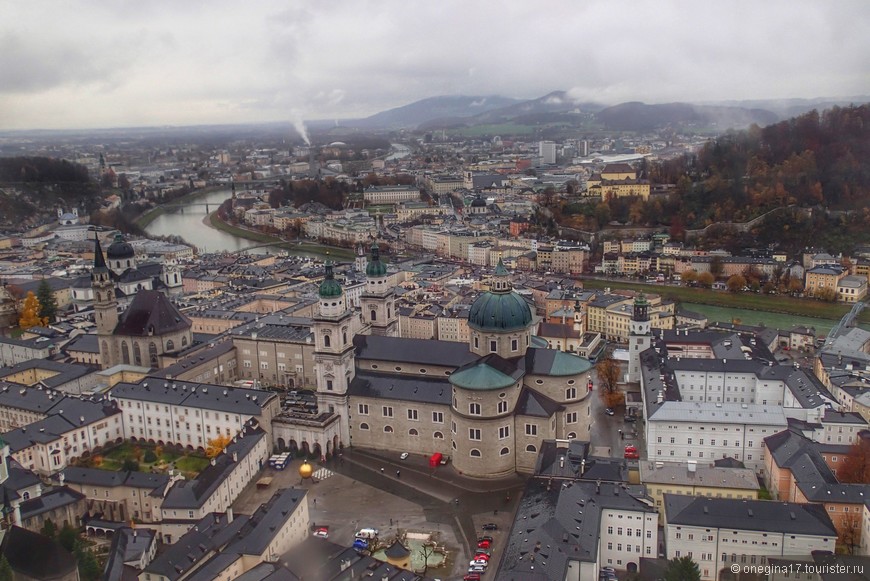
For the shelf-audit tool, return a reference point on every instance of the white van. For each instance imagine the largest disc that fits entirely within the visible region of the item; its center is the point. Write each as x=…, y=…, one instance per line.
x=366, y=534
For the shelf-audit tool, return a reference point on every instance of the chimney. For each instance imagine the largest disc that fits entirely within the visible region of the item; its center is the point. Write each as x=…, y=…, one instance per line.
x=229, y=514
x=235, y=456
x=60, y=478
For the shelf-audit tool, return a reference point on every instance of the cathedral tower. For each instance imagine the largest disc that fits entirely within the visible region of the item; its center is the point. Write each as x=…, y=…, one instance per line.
x=105, y=307
x=333, y=350
x=379, y=299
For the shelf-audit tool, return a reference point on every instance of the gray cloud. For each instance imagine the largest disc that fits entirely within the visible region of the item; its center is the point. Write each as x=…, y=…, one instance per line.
x=87, y=63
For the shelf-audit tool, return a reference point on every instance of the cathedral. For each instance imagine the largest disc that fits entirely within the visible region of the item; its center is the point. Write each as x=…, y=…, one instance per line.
x=150, y=325
x=487, y=405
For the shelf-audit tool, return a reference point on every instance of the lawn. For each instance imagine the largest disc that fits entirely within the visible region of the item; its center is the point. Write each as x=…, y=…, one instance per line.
x=165, y=459
x=750, y=301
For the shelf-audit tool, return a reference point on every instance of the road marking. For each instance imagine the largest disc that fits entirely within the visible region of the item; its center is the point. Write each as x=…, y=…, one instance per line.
x=323, y=473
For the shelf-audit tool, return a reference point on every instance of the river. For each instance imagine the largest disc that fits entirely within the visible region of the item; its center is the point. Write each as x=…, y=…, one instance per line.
x=188, y=223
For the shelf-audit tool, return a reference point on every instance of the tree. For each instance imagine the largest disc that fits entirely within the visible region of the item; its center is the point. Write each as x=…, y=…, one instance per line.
x=49, y=529
x=682, y=569
x=426, y=551
x=89, y=567
x=609, y=372
x=855, y=468
x=5, y=569
x=705, y=279
x=216, y=446
x=30, y=312
x=716, y=266
x=850, y=532
x=68, y=537
x=130, y=465
x=689, y=276
x=827, y=293
x=736, y=283
x=47, y=302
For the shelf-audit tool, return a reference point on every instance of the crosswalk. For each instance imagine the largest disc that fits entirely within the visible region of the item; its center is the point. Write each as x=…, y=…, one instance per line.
x=323, y=474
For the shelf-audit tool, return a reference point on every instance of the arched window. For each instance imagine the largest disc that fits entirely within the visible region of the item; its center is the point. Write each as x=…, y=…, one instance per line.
x=26, y=495
x=571, y=435
x=105, y=352
x=170, y=346
x=571, y=393
x=184, y=341
x=326, y=341
x=388, y=429
x=438, y=436
x=344, y=336
x=475, y=453
x=502, y=407
x=504, y=452
x=413, y=432
x=363, y=426
x=125, y=353
x=137, y=355
x=531, y=448
x=389, y=313
x=374, y=315
x=152, y=353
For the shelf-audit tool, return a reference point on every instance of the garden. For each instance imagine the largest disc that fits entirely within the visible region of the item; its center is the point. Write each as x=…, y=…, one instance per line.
x=147, y=458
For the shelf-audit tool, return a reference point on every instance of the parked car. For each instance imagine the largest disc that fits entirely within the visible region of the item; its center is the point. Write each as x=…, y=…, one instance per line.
x=472, y=577
x=361, y=544
x=484, y=544
x=322, y=532
x=476, y=562
x=631, y=453
x=490, y=526
x=477, y=569
x=481, y=557
x=403, y=456
x=630, y=418
x=484, y=538
x=483, y=551
x=609, y=411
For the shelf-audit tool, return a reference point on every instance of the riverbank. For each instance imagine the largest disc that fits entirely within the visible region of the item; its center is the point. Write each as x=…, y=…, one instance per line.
x=336, y=253
x=749, y=301
x=145, y=219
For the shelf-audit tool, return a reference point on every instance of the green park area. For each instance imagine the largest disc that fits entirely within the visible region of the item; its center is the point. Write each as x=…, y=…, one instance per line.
x=806, y=309
x=147, y=458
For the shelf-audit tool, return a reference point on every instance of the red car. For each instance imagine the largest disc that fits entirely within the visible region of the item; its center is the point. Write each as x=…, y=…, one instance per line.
x=472, y=577
x=481, y=556
x=483, y=544
x=631, y=453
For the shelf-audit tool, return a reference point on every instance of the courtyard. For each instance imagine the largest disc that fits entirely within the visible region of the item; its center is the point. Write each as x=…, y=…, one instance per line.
x=146, y=458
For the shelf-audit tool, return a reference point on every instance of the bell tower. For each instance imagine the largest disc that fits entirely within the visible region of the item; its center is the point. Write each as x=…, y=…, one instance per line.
x=333, y=350
x=640, y=338
x=378, y=300
x=105, y=306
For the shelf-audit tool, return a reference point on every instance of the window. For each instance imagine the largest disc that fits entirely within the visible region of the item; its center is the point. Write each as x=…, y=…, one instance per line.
x=504, y=452
x=515, y=345
x=387, y=411
x=326, y=340
x=329, y=385
x=571, y=418
x=474, y=409
x=475, y=453
x=493, y=346
x=504, y=432
x=437, y=417
x=412, y=415
x=363, y=426
x=502, y=407
x=388, y=429
x=473, y=433
x=476, y=343
x=363, y=409
x=413, y=432
x=531, y=429
x=571, y=393
x=438, y=436
x=531, y=448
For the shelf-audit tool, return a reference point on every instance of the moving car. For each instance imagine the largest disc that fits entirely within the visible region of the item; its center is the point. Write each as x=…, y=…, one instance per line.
x=609, y=411
x=403, y=456
x=490, y=526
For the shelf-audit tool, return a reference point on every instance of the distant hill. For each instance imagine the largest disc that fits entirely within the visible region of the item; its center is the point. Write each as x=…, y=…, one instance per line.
x=446, y=107
x=642, y=117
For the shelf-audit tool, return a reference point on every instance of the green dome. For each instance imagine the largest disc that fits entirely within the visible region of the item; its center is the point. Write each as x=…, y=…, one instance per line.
x=481, y=377
x=375, y=267
x=329, y=288
x=500, y=309
x=499, y=312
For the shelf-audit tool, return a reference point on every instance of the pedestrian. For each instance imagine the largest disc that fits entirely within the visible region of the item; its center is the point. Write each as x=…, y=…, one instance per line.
x=382, y=470
x=398, y=474
x=315, y=502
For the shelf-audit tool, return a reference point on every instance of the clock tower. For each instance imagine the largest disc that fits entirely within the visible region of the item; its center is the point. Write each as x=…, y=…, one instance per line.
x=640, y=338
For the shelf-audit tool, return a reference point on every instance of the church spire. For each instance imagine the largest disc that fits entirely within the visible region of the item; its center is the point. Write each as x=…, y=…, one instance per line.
x=99, y=259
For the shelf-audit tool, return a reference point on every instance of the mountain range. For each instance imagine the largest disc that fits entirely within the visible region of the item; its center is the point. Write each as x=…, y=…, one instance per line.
x=559, y=108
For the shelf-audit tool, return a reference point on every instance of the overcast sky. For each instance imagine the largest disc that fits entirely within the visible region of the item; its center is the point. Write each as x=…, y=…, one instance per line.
x=109, y=63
